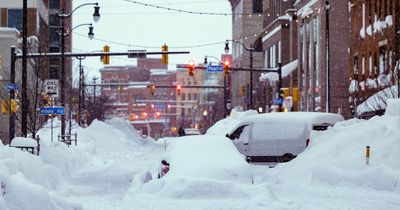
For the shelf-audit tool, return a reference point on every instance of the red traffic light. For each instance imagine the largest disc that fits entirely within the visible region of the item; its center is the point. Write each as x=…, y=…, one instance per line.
x=191, y=68
x=178, y=90
x=226, y=63
x=226, y=67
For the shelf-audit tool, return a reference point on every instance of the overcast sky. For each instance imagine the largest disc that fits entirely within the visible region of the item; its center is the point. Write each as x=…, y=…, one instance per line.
x=125, y=22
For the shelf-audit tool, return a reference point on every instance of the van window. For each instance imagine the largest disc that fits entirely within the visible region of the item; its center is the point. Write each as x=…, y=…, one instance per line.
x=321, y=127
x=237, y=132
x=278, y=131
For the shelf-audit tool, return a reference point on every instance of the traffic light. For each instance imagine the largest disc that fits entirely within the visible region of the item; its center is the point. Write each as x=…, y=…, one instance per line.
x=152, y=89
x=5, y=106
x=191, y=68
x=226, y=67
x=164, y=58
x=106, y=58
x=158, y=114
x=178, y=90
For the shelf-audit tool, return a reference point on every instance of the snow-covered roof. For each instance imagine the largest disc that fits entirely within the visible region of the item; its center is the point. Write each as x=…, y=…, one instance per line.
x=286, y=71
x=311, y=118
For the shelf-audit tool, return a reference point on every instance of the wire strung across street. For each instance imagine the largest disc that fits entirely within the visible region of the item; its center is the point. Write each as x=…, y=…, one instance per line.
x=187, y=11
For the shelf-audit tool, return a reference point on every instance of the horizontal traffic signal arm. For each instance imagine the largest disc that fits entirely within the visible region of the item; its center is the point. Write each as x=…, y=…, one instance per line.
x=155, y=86
x=276, y=70
x=96, y=54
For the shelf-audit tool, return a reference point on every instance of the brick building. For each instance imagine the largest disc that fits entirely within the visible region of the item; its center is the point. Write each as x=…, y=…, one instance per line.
x=11, y=26
x=247, y=22
x=132, y=101
x=323, y=42
x=374, y=52
x=278, y=39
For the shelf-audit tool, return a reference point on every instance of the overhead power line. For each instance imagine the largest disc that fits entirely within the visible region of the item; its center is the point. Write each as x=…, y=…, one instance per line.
x=153, y=47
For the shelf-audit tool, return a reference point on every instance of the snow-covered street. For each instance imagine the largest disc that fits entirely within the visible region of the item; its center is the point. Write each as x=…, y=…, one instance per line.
x=109, y=166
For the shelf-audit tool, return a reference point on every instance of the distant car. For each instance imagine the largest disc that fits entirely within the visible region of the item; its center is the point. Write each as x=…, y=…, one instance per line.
x=192, y=131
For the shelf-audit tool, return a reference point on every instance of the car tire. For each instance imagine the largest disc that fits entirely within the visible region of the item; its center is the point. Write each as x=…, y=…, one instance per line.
x=287, y=157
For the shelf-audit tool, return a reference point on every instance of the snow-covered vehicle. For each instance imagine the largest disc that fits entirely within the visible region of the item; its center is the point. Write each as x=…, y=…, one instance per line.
x=192, y=131
x=278, y=137
x=199, y=156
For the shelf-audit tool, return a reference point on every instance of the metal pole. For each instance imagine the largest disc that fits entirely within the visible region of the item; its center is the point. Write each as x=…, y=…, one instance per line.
x=225, y=98
x=94, y=90
x=12, y=96
x=80, y=91
x=280, y=85
x=24, y=114
x=327, y=62
x=62, y=80
x=251, y=76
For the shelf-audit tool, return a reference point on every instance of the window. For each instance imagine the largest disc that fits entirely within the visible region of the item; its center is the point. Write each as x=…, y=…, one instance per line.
x=382, y=60
x=53, y=72
x=54, y=4
x=257, y=6
x=15, y=19
x=355, y=67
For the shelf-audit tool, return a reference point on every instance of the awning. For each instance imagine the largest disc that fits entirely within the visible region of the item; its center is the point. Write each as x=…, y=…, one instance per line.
x=286, y=71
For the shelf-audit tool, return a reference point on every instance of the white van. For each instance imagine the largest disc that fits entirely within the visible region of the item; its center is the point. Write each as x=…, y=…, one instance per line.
x=280, y=136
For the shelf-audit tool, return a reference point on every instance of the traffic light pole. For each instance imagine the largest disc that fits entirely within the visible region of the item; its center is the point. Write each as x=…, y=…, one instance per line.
x=12, y=97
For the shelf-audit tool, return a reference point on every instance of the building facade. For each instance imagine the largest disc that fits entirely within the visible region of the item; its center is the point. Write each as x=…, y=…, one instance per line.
x=323, y=43
x=247, y=23
x=132, y=99
x=279, y=38
x=374, y=53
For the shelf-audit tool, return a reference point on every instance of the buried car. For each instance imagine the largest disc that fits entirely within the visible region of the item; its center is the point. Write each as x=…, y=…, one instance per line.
x=205, y=156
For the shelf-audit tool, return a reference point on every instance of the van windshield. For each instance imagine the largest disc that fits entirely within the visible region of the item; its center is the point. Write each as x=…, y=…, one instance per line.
x=278, y=130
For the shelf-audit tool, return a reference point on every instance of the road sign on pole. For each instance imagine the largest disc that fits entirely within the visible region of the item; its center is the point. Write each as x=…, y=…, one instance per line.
x=215, y=68
x=51, y=87
x=54, y=110
x=12, y=86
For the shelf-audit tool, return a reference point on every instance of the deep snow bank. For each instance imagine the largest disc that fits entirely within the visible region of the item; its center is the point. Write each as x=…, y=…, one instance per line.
x=336, y=157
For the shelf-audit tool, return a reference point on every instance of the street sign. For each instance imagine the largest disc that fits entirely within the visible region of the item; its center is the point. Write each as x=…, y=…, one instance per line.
x=51, y=87
x=12, y=86
x=160, y=105
x=55, y=110
x=217, y=68
x=278, y=101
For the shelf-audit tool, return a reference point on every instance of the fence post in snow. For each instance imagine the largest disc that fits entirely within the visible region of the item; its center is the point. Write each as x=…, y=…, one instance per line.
x=367, y=154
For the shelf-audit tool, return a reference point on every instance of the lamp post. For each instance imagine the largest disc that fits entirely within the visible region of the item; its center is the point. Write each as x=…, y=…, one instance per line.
x=63, y=16
x=251, y=49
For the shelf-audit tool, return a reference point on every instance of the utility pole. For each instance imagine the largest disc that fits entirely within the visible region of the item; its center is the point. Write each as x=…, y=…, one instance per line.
x=327, y=61
x=24, y=94
x=62, y=73
x=81, y=93
x=251, y=76
x=12, y=97
x=94, y=90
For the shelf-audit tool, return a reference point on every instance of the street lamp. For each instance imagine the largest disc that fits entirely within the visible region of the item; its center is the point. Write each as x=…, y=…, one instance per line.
x=63, y=16
x=251, y=49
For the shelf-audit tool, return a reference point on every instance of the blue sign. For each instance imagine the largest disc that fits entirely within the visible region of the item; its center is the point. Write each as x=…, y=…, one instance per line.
x=12, y=86
x=217, y=68
x=55, y=110
x=278, y=101
x=160, y=105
